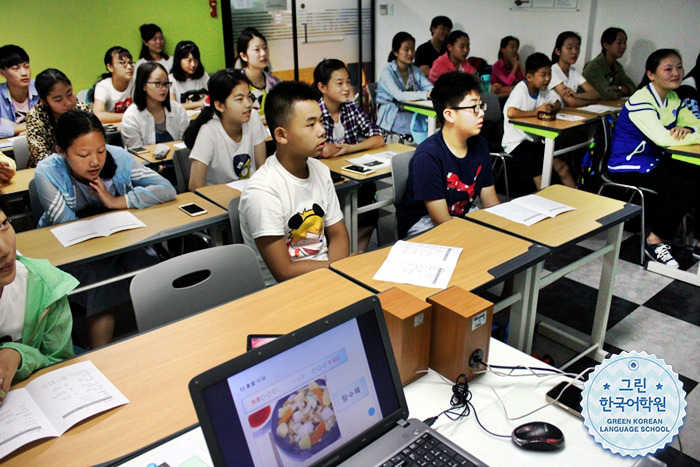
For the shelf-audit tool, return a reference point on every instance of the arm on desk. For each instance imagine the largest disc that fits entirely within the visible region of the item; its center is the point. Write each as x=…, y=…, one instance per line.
x=198, y=174
x=517, y=113
x=653, y=128
x=55, y=207
x=150, y=188
x=98, y=109
x=488, y=196
x=7, y=168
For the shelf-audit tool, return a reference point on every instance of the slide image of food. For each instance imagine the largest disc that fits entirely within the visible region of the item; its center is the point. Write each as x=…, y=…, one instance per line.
x=304, y=422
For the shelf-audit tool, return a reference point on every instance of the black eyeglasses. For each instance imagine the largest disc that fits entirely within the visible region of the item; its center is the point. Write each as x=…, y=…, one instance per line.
x=160, y=84
x=474, y=108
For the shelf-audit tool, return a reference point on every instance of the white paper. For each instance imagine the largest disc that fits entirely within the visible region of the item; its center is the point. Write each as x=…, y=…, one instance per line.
x=180, y=145
x=102, y=226
x=374, y=161
x=419, y=264
x=529, y=210
x=192, y=113
x=599, y=108
x=54, y=402
x=570, y=117
x=238, y=184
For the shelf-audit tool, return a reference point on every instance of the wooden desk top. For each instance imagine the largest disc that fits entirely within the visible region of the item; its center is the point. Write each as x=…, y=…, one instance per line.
x=220, y=194
x=484, y=250
x=19, y=183
x=153, y=369
x=148, y=156
x=557, y=125
x=689, y=150
x=566, y=227
x=335, y=163
x=618, y=103
x=162, y=221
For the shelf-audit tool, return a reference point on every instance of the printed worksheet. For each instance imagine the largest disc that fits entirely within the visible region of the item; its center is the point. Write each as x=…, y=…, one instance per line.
x=101, y=226
x=420, y=264
x=374, y=161
x=54, y=402
x=599, y=108
x=529, y=210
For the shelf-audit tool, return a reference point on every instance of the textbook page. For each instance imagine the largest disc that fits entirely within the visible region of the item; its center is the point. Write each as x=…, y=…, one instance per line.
x=54, y=402
x=374, y=161
x=419, y=264
x=102, y=226
x=542, y=205
x=599, y=108
x=570, y=117
x=529, y=210
x=238, y=184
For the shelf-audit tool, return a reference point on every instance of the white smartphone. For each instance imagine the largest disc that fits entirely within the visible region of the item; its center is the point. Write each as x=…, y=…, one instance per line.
x=358, y=169
x=192, y=209
x=138, y=150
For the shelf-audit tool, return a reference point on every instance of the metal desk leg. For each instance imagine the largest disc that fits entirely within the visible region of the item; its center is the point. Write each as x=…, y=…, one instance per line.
x=520, y=311
x=547, y=162
x=431, y=125
x=532, y=301
x=349, y=202
x=605, y=291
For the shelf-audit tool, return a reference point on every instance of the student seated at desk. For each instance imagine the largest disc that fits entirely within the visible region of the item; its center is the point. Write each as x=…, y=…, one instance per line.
x=427, y=53
x=688, y=91
x=455, y=59
x=289, y=211
x=452, y=167
x=400, y=81
x=527, y=99
x=153, y=118
x=227, y=138
x=188, y=76
x=153, y=47
x=88, y=177
x=17, y=94
x=8, y=166
x=254, y=55
x=56, y=97
x=508, y=70
x=605, y=73
x=566, y=80
x=35, y=318
x=114, y=92
x=652, y=119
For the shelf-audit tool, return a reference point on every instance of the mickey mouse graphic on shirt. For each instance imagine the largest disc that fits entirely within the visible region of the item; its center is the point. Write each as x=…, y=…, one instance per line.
x=306, y=236
x=454, y=183
x=241, y=165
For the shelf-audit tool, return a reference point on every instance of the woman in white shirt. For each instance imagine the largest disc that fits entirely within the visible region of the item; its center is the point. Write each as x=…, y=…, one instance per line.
x=153, y=48
x=189, y=79
x=153, y=118
x=113, y=94
x=567, y=81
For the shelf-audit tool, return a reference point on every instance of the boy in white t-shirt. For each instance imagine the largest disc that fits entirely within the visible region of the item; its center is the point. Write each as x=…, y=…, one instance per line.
x=114, y=93
x=527, y=99
x=289, y=210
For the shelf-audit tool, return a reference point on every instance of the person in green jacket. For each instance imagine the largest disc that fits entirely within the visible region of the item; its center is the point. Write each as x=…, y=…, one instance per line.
x=604, y=72
x=35, y=318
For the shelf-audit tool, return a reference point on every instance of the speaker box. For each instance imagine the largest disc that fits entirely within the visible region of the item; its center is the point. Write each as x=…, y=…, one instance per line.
x=461, y=326
x=409, y=321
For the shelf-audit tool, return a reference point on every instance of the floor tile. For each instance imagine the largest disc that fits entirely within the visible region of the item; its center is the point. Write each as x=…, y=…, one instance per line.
x=679, y=300
x=598, y=241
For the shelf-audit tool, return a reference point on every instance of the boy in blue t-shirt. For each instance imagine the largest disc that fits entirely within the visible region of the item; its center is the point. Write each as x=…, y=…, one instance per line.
x=452, y=167
x=17, y=94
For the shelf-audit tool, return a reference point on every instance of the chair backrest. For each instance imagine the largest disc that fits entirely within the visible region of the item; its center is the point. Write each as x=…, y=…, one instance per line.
x=21, y=149
x=37, y=208
x=234, y=220
x=419, y=128
x=493, y=110
x=82, y=96
x=193, y=282
x=399, y=174
x=181, y=160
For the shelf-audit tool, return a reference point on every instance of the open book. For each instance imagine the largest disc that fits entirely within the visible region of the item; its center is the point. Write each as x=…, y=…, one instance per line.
x=52, y=403
x=101, y=226
x=529, y=209
x=420, y=264
x=374, y=161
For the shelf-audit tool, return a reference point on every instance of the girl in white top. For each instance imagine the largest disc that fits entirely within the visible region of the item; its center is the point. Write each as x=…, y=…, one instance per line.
x=254, y=54
x=153, y=48
x=189, y=79
x=566, y=80
x=114, y=93
x=228, y=138
x=153, y=118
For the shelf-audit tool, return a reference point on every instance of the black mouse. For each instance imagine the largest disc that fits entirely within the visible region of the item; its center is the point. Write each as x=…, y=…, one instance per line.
x=538, y=436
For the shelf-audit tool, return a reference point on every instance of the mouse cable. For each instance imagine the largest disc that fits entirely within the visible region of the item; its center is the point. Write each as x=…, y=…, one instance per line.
x=461, y=399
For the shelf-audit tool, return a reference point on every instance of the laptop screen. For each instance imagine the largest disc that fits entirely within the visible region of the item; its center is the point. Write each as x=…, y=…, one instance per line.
x=306, y=402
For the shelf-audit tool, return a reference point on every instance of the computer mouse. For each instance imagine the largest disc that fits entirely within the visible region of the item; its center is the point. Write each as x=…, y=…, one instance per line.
x=538, y=436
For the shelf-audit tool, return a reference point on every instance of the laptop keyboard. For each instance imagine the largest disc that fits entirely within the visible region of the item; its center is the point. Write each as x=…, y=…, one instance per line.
x=427, y=451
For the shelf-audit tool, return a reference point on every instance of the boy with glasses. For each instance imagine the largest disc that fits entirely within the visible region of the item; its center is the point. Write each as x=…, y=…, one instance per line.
x=17, y=94
x=452, y=167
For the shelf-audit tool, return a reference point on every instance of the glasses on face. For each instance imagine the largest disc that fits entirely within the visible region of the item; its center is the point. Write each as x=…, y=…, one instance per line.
x=474, y=108
x=160, y=84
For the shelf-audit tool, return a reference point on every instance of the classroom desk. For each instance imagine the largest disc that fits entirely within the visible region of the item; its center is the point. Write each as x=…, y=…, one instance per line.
x=220, y=195
x=153, y=369
x=422, y=107
x=19, y=183
x=489, y=257
x=163, y=221
x=148, y=156
x=349, y=197
x=593, y=214
x=690, y=153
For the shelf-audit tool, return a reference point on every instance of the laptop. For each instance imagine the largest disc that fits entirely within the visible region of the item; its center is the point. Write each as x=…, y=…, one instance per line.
x=326, y=394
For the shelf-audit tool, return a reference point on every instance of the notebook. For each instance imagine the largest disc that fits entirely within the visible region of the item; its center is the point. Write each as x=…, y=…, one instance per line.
x=326, y=394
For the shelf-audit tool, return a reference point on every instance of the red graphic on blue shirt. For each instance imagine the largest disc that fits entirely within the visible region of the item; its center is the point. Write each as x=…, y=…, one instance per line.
x=120, y=107
x=454, y=183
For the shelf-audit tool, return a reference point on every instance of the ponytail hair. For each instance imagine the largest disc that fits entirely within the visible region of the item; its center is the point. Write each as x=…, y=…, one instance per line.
x=147, y=33
x=561, y=38
x=609, y=36
x=220, y=86
x=399, y=38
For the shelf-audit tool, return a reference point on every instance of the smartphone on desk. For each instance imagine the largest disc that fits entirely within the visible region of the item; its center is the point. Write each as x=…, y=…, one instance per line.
x=569, y=400
x=138, y=150
x=192, y=209
x=358, y=169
